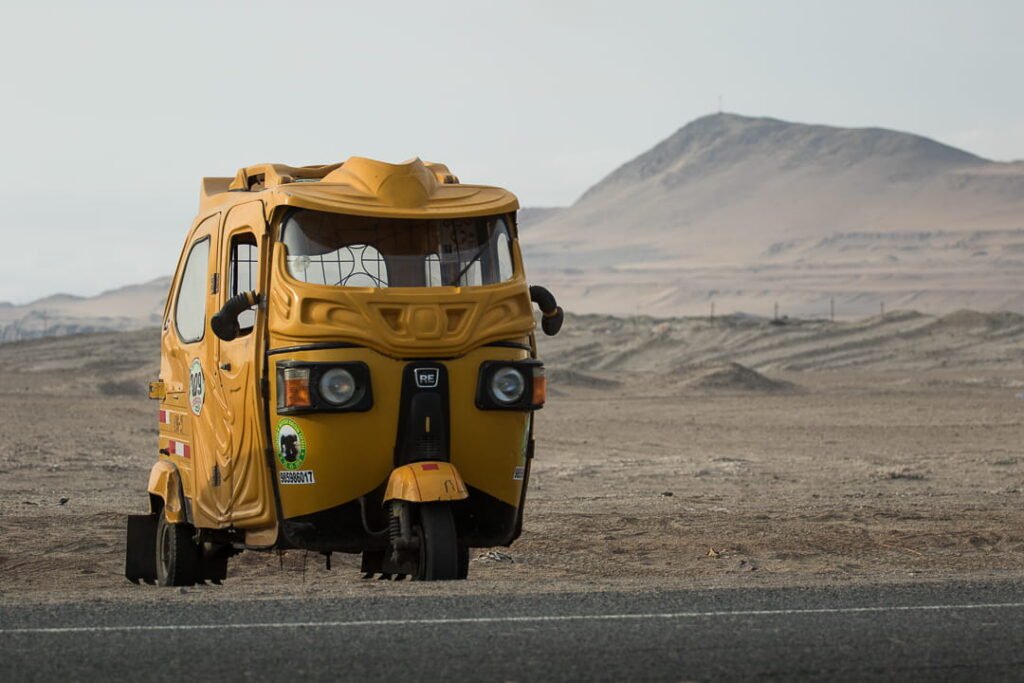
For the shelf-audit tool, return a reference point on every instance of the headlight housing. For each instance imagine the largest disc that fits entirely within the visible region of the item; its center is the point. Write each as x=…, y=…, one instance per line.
x=323, y=387
x=511, y=385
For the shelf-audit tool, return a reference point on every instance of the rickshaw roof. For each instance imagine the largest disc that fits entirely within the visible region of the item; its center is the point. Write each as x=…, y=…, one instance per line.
x=359, y=186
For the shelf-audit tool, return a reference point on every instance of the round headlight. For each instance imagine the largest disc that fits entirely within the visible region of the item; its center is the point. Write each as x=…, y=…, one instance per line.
x=508, y=385
x=337, y=386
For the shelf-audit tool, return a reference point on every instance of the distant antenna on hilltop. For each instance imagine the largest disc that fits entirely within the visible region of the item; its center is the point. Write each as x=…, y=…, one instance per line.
x=719, y=104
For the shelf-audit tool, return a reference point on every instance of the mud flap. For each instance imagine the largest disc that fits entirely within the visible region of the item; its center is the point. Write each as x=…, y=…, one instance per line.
x=140, y=553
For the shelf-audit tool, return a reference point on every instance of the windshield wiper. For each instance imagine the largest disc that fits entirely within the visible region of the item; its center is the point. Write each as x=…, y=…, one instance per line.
x=473, y=260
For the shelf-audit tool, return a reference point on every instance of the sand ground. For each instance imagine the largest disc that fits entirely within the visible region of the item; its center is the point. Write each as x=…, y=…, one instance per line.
x=701, y=476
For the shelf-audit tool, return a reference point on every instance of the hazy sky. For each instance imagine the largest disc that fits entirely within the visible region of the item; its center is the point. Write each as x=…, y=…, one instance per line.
x=112, y=111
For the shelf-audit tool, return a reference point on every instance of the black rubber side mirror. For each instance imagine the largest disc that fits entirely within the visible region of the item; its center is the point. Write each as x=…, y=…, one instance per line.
x=225, y=321
x=552, y=319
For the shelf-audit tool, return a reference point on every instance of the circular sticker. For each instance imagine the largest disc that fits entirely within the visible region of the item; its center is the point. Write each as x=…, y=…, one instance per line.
x=291, y=444
x=196, y=386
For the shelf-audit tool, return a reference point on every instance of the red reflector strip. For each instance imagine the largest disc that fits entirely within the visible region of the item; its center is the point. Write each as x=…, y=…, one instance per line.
x=165, y=417
x=179, y=448
x=430, y=466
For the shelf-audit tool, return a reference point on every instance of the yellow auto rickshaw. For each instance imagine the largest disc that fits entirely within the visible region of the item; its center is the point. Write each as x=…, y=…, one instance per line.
x=348, y=364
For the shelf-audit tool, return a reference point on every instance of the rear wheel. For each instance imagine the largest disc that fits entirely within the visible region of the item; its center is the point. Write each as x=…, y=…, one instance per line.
x=439, y=548
x=177, y=555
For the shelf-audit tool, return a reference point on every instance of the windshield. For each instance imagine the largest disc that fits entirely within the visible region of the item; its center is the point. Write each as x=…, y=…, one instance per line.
x=357, y=251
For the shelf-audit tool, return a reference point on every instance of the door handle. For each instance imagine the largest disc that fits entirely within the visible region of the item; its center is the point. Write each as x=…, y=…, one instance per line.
x=225, y=366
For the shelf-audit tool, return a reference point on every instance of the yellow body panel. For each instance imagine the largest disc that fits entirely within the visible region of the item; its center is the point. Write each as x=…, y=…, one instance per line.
x=349, y=454
x=176, y=358
x=240, y=434
x=487, y=445
x=352, y=454
x=165, y=483
x=426, y=482
x=404, y=322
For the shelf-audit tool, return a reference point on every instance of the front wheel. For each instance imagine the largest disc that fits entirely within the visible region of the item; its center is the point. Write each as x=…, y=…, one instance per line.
x=439, y=547
x=177, y=555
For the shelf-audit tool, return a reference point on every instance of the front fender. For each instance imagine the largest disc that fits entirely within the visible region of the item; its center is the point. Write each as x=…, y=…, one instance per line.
x=425, y=482
x=165, y=482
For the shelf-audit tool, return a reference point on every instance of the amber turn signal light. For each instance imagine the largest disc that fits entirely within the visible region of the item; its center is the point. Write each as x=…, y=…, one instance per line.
x=540, y=386
x=296, y=388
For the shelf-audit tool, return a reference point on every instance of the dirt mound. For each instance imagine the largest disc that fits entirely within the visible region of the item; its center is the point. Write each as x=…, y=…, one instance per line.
x=964, y=320
x=730, y=377
x=625, y=348
x=575, y=378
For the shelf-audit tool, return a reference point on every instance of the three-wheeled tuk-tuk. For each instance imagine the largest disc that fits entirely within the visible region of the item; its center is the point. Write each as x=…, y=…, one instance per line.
x=348, y=364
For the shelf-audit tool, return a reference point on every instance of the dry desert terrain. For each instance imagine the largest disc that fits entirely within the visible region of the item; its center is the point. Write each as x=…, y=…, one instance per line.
x=672, y=453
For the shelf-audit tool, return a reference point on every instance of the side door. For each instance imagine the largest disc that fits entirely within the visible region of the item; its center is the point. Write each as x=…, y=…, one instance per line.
x=241, y=433
x=187, y=361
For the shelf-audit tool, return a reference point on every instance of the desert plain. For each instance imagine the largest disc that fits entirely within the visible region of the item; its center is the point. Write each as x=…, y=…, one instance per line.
x=672, y=453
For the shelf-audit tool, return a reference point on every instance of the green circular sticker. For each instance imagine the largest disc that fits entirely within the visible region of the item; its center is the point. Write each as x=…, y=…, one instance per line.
x=290, y=444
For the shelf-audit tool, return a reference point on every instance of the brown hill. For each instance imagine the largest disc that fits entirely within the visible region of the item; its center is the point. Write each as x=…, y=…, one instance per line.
x=125, y=308
x=750, y=211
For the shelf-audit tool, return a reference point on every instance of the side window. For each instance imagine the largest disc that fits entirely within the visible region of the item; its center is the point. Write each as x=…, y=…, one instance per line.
x=190, y=307
x=243, y=272
x=432, y=271
x=505, y=269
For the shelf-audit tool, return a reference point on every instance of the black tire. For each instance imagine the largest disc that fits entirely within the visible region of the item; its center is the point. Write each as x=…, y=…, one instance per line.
x=439, y=548
x=212, y=563
x=177, y=555
x=463, y=561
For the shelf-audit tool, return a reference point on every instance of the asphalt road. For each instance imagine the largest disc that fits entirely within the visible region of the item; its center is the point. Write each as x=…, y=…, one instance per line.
x=971, y=631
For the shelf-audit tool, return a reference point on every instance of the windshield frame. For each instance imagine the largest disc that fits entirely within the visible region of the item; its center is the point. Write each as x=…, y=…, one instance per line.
x=281, y=266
